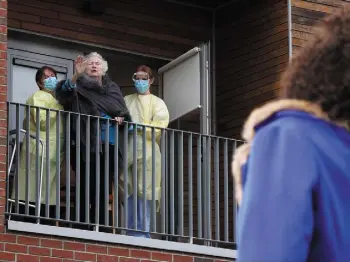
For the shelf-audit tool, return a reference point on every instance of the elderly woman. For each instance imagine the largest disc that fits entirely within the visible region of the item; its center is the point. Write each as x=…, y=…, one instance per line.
x=295, y=166
x=92, y=92
x=46, y=79
x=147, y=109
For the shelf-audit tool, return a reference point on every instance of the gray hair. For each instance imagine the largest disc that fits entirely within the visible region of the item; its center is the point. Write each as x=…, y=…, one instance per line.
x=104, y=62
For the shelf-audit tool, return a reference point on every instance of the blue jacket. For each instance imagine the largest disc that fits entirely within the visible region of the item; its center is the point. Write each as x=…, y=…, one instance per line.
x=296, y=191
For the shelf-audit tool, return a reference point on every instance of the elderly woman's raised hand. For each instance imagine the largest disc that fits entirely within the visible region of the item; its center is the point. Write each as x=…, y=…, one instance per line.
x=80, y=64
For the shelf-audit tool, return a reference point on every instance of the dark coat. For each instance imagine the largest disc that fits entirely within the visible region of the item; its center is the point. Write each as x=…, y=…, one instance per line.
x=89, y=98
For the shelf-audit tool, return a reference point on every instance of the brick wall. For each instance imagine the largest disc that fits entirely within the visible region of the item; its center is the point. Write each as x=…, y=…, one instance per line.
x=150, y=27
x=17, y=247
x=252, y=50
x=306, y=14
x=3, y=112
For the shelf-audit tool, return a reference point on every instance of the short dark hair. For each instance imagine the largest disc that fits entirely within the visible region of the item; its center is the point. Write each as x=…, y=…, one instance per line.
x=320, y=72
x=39, y=74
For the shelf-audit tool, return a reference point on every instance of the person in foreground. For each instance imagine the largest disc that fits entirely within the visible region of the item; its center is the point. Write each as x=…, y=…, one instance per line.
x=293, y=174
x=150, y=110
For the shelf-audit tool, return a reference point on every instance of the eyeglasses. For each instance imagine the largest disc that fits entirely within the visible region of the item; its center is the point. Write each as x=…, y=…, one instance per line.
x=140, y=76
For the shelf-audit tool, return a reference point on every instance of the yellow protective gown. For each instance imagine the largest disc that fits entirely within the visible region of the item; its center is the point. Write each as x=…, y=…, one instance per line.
x=46, y=100
x=148, y=110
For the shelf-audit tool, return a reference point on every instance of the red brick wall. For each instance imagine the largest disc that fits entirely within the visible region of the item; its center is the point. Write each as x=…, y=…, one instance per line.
x=150, y=27
x=3, y=116
x=16, y=247
x=252, y=50
x=306, y=14
x=3, y=113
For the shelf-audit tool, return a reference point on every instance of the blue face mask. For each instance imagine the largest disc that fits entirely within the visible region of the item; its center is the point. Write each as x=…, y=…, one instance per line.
x=50, y=83
x=141, y=85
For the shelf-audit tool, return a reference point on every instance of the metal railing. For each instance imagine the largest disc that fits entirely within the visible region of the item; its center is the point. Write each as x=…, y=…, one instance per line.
x=182, y=179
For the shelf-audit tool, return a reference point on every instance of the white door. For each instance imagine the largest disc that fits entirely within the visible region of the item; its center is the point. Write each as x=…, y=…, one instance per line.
x=185, y=86
x=22, y=67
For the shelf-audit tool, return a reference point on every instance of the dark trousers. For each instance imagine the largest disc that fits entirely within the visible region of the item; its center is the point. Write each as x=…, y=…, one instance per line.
x=93, y=191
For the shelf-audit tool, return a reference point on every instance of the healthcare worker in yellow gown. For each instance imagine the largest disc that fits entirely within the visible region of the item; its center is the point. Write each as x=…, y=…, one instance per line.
x=46, y=79
x=147, y=109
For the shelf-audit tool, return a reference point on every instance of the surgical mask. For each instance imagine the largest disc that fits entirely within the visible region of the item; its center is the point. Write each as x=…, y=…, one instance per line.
x=141, y=85
x=50, y=83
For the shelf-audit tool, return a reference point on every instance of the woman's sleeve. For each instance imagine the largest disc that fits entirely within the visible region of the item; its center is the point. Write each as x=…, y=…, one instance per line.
x=66, y=85
x=275, y=220
x=65, y=92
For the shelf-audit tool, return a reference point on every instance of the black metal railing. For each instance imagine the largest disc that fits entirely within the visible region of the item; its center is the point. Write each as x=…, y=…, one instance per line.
x=80, y=171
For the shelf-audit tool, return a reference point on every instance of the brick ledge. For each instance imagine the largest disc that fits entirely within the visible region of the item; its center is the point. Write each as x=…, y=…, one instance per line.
x=121, y=239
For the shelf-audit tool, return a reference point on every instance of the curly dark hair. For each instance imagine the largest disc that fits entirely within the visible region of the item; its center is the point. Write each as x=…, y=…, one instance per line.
x=320, y=72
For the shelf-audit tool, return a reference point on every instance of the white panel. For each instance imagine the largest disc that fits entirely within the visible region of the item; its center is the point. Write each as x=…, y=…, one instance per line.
x=23, y=83
x=181, y=87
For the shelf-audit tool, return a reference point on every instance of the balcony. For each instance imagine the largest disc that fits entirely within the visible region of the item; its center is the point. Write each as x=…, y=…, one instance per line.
x=185, y=176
